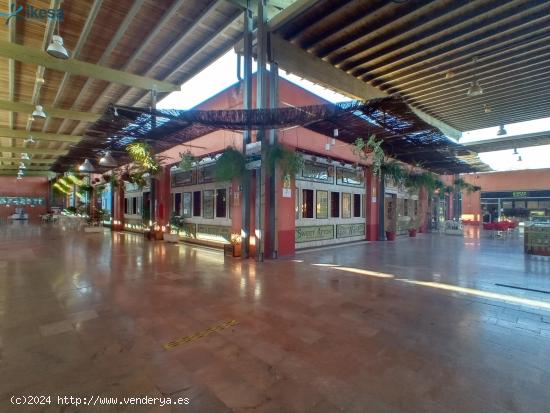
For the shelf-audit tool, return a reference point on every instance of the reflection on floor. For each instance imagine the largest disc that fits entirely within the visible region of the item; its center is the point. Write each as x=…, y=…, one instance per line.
x=417, y=325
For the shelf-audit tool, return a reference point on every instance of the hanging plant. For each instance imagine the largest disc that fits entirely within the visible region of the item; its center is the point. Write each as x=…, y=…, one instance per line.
x=362, y=149
x=138, y=179
x=187, y=161
x=394, y=171
x=231, y=165
x=86, y=189
x=289, y=162
x=142, y=155
x=100, y=189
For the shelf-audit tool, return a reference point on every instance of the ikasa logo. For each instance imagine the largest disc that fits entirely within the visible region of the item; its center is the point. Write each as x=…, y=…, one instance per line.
x=30, y=12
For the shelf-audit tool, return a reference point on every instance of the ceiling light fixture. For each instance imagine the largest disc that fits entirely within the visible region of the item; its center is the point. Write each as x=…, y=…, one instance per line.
x=487, y=108
x=56, y=48
x=327, y=146
x=107, y=160
x=25, y=156
x=30, y=140
x=39, y=112
x=475, y=88
x=519, y=159
x=501, y=131
x=22, y=165
x=515, y=151
x=86, y=166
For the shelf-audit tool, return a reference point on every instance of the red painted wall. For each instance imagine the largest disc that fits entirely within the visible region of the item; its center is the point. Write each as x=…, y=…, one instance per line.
x=32, y=186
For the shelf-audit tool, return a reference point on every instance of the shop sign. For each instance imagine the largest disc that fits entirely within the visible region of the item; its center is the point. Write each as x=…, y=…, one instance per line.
x=520, y=194
x=216, y=233
x=21, y=200
x=314, y=233
x=253, y=165
x=183, y=178
x=350, y=230
x=316, y=172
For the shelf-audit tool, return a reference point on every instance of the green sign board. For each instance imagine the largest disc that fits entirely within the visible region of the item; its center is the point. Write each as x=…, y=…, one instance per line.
x=216, y=233
x=314, y=233
x=21, y=200
x=350, y=230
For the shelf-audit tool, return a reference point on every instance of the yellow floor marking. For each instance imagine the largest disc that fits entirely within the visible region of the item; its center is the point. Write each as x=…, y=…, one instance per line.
x=188, y=339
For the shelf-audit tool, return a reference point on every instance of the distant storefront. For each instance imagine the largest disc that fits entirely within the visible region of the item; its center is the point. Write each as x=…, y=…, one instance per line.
x=517, y=205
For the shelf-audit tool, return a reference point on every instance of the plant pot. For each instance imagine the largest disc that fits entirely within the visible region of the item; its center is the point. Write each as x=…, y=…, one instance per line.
x=412, y=232
x=232, y=250
x=390, y=235
x=171, y=237
x=159, y=236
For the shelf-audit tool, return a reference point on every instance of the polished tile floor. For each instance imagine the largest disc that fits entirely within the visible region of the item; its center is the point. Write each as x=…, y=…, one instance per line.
x=417, y=325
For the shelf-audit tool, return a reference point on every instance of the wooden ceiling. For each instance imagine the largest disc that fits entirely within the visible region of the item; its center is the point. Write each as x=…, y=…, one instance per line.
x=168, y=40
x=424, y=51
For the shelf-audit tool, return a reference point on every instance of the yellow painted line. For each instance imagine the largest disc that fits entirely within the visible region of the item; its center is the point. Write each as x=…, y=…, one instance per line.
x=193, y=337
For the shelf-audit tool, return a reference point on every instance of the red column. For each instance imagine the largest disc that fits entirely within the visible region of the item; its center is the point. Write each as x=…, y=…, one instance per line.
x=423, y=209
x=372, y=206
x=119, y=207
x=163, y=209
x=286, y=216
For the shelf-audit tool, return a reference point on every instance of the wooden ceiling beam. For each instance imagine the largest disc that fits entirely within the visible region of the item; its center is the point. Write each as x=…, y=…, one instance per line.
x=37, y=57
x=166, y=17
x=39, y=77
x=432, y=31
x=483, y=69
x=28, y=168
x=94, y=10
x=12, y=33
x=192, y=54
x=27, y=162
x=21, y=134
x=53, y=112
x=496, y=95
x=106, y=55
x=295, y=60
x=171, y=50
x=33, y=151
x=9, y=172
x=437, y=61
x=290, y=13
x=458, y=90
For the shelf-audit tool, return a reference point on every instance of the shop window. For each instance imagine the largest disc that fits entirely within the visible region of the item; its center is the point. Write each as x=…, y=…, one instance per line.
x=346, y=205
x=307, y=203
x=197, y=203
x=187, y=206
x=357, y=205
x=134, y=205
x=335, y=204
x=177, y=204
x=221, y=203
x=322, y=204
x=125, y=205
x=406, y=207
x=208, y=204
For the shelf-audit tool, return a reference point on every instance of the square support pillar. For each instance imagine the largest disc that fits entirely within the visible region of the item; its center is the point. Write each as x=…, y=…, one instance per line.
x=372, y=206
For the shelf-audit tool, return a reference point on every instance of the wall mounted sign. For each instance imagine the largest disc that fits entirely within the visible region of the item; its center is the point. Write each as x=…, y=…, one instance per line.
x=216, y=233
x=316, y=172
x=184, y=178
x=349, y=177
x=21, y=200
x=350, y=230
x=314, y=233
